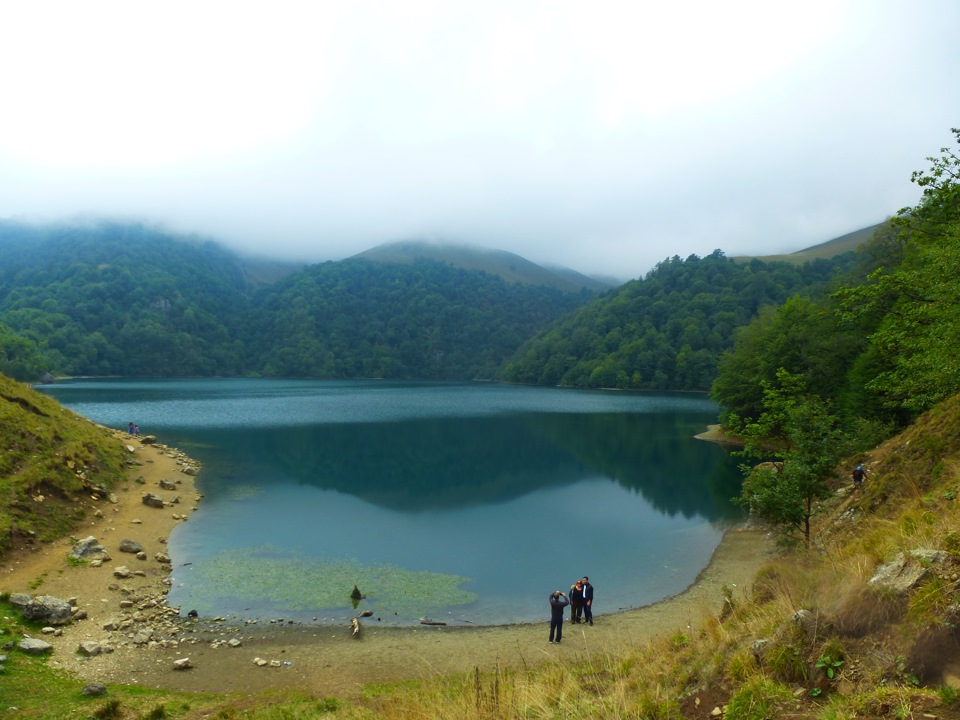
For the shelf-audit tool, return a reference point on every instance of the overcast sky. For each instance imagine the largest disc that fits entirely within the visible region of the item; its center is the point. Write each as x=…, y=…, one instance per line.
x=604, y=136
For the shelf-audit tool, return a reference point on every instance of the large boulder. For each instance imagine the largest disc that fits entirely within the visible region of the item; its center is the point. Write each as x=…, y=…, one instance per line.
x=906, y=570
x=48, y=610
x=89, y=549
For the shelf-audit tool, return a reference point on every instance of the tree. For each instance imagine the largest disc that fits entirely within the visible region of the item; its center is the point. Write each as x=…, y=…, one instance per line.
x=19, y=357
x=918, y=300
x=801, y=441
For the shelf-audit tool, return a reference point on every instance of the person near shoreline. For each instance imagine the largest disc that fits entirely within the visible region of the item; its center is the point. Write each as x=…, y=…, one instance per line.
x=576, y=601
x=130, y=428
x=558, y=601
x=587, y=600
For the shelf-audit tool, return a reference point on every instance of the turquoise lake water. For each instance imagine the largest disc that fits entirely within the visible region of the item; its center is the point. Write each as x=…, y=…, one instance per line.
x=466, y=503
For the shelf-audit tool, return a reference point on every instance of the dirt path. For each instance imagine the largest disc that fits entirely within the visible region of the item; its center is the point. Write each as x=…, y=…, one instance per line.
x=316, y=658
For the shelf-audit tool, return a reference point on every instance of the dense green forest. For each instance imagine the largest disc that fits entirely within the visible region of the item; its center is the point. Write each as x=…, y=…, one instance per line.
x=123, y=299
x=668, y=329
x=357, y=318
x=120, y=299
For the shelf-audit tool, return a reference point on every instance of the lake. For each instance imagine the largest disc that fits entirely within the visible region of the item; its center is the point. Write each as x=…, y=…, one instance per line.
x=464, y=503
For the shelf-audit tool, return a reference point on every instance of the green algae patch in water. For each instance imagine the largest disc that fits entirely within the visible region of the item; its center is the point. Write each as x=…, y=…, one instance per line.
x=265, y=578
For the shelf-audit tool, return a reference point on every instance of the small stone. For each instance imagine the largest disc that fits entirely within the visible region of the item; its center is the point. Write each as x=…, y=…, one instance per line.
x=94, y=689
x=130, y=546
x=151, y=500
x=90, y=648
x=182, y=664
x=32, y=646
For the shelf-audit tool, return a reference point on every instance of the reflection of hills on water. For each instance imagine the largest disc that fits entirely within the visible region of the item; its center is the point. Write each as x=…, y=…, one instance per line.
x=656, y=456
x=456, y=462
x=421, y=464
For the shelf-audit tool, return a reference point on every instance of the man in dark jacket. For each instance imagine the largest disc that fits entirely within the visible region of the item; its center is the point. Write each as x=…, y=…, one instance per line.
x=587, y=600
x=558, y=601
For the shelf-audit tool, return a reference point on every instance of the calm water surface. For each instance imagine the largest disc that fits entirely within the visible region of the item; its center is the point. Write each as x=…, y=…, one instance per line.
x=460, y=502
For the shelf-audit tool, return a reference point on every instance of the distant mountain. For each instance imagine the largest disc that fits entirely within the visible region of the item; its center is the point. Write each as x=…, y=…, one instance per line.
x=824, y=250
x=507, y=265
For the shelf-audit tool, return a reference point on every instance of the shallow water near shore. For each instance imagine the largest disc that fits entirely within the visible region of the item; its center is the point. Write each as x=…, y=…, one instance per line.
x=465, y=503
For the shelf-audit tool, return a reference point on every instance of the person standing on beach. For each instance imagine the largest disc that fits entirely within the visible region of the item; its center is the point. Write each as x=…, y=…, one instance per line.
x=558, y=601
x=576, y=601
x=587, y=600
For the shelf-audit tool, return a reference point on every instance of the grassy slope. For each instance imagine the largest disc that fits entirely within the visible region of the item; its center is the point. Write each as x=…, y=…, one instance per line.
x=49, y=458
x=828, y=249
x=889, y=653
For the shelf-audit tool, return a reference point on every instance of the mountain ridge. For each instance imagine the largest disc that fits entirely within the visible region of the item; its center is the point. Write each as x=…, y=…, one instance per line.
x=510, y=266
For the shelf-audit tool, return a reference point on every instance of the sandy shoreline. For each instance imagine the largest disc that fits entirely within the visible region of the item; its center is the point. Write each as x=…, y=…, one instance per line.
x=315, y=658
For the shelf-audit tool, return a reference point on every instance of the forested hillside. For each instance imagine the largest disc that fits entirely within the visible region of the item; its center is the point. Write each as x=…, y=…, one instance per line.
x=118, y=299
x=668, y=329
x=358, y=318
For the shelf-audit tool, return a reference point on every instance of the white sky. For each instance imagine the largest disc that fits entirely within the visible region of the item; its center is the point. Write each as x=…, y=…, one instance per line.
x=604, y=136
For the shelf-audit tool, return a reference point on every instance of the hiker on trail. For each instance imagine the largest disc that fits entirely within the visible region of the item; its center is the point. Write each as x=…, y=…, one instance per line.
x=558, y=601
x=858, y=476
